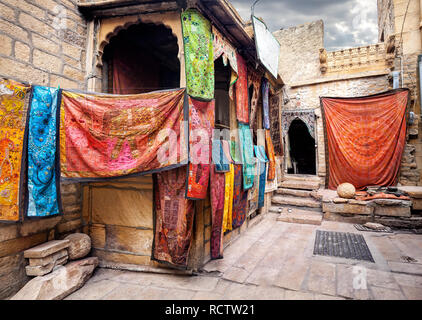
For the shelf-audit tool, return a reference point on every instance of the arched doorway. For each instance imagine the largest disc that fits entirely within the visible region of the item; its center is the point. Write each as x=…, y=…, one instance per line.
x=141, y=58
x=302, y=149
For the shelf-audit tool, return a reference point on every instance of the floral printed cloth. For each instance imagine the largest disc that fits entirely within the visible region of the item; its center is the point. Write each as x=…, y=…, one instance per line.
x=14, y=98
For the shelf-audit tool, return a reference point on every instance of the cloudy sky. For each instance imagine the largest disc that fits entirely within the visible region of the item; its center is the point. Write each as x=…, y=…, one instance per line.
x=348, y=23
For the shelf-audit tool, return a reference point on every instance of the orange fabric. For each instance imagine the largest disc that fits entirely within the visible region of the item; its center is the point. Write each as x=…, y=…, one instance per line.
x=381, y=196
x=366, y=138
x=271, y=156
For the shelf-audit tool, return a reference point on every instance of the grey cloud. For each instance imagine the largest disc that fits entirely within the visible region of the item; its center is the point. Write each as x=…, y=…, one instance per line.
x=341, y=18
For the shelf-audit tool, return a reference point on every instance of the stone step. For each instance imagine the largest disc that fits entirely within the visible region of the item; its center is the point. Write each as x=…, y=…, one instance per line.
x=294, y=192
x=296, y=201
x=300, y=216
x=300, y=185
x=298, y=177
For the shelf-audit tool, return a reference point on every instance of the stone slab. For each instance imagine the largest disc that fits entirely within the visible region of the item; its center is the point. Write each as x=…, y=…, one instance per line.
x=46, y=249
x=393, y=211
x=413, y=192
x=294, y=192
x=295, y=201
x=417, y=204
x=33, y=262
x=300, y=216
x=35, y=271
x=347, y=208
x=301, y=185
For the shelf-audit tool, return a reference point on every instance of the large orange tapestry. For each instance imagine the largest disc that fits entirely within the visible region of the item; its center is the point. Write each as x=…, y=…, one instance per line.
x=366, y=138
x=14, y=98
x=103, y=135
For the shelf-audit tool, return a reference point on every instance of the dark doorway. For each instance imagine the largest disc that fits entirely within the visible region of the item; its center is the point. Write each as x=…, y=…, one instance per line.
x=302, y=149
x=142, y=58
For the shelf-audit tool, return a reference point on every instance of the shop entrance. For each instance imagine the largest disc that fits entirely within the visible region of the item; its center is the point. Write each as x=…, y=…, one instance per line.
x=302, y=149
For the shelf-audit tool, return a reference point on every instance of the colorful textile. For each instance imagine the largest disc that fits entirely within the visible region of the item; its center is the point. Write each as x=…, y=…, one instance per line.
x=14, y=99
x=242, y=103
x=199, y=60
x=174, y=214
x=219, y=158
x=266, y=104
x=254, y=80
x=103, y=136
x=270, y=185
x=366, y=138
x=222, y=48
x=228, y=200
x=271, y=156
x=262, y=172
x=253, y=193
x=248, y=160
x=235, y=152
x=217, y=208
x=43, y=175
x=275, y=107
x=240, y=198
x=201, y=124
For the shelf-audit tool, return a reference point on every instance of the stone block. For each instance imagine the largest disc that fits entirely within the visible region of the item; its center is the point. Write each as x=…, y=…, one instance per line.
x=17, y=245
x=46, y=249
x=35, y=271
x=60, y=283
x=36, y=226
x=34, y=262
x=8, y=232
x=45, y=44
x=23, y=71
x=47, y=61
x=98, y=236
x=6, y=45
x=417, y=204
x=129, y=240
x=393, y=211
x=22, y=51
x=347, y=208
x=69, y=226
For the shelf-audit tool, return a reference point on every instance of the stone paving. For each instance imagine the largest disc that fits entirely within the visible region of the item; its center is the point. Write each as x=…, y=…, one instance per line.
x=274, y=261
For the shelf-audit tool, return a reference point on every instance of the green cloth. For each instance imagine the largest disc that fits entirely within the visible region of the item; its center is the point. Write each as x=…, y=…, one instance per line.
x=247, y=152
x=199, y=55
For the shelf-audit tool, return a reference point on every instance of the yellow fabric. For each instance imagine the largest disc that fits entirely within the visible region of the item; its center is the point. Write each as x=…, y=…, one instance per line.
x=228, y=200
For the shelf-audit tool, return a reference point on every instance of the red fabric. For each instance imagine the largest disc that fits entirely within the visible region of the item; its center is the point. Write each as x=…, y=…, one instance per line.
x=242, y=107
x=366, y=138
x=201, y=122
x=367, y=197
x=217, y=208
x=173, y=218
x=240, y=198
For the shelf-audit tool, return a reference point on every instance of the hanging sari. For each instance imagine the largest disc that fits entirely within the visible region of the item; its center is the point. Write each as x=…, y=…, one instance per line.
x=43, y=165
x=198, y=45
x=271, y=156
x=262, y=172
x=265, y=103
x=248, y=160
x=240, y=198
x=242, y=103
x=217, y=208
x=228, y=192
x=14, y=98
x=173, y=221
x=201, y=124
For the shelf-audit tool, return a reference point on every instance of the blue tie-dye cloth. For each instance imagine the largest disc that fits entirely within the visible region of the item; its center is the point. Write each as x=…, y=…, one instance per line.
x=43, y=184
x=248, y=159
x=262, y=171
x=220, y=160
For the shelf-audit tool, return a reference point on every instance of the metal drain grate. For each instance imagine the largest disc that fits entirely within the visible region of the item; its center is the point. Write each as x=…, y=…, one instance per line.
x=342, y=245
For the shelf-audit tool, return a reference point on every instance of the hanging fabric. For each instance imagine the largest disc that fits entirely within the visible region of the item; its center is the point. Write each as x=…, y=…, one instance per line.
x=240, y=198
x=271, y=156
x=275, y=127
x=253, y=193
x=242, y=103
x=366, y=137
x=265, y=103
x=222, y=48
x=217, y=208
x=199, y=60
x=228, y=191
x=201, y=125
x=270, y=185
x=262, y=172
x=254, y=80
x=14, y=100
x=103, y=136
x=248, y=160
x=43, y=165
x=220, y=160
x=174, y=215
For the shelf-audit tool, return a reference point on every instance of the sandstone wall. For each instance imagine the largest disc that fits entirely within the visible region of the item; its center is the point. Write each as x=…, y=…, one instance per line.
x=42, y=42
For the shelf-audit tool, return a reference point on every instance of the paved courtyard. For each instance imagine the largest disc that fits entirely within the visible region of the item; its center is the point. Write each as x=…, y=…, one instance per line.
x=274, y=261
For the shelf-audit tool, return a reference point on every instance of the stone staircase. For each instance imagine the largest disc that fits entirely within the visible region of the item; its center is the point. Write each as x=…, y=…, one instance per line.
x=294, y=201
